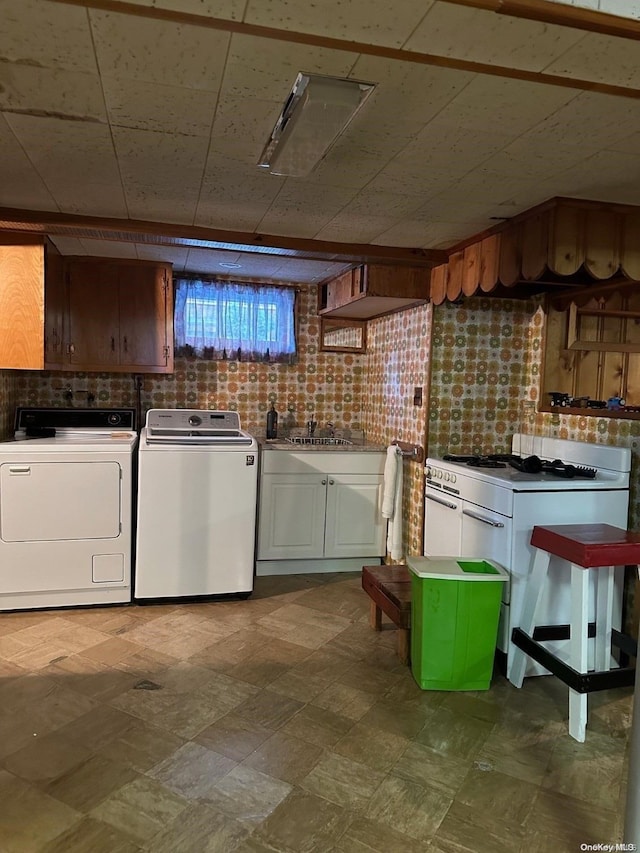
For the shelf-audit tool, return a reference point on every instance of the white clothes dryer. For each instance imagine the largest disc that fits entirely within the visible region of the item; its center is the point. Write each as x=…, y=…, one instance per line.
x=66, y=496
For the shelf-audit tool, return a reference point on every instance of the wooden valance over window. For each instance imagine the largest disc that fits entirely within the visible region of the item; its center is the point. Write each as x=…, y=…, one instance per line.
x=575, y=249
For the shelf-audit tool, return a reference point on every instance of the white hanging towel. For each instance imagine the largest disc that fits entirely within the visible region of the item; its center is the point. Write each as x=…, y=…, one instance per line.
x=392, y=502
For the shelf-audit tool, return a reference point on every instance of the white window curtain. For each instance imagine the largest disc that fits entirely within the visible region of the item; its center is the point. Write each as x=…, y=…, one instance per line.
x=221, y=319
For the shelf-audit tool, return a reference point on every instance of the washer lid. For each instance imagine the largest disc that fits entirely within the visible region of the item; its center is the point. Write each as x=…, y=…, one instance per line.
x=195, y=426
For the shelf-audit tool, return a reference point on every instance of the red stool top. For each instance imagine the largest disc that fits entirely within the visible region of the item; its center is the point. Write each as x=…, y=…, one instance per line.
x=589, y=545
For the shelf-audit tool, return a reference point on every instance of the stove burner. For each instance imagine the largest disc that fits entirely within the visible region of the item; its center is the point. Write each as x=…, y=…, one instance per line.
x=528, y=464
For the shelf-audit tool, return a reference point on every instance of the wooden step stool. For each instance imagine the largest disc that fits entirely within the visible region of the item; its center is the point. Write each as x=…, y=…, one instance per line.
x=581, y=547
x=389, y=588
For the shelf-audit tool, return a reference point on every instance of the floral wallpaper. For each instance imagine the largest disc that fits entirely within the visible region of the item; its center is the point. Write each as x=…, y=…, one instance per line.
x=397, y=363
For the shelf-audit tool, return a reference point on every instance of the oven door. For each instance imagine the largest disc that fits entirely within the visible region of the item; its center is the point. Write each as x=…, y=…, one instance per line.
x=486, y=534
x=442, y=523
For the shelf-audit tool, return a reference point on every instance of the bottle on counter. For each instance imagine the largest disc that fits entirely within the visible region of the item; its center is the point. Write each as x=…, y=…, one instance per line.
x=272, y=422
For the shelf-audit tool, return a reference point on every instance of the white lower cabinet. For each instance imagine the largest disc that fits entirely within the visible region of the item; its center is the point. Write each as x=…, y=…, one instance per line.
x=319, y=506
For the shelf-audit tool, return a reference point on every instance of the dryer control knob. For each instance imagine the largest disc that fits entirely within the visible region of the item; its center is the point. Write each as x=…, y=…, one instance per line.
x=195, y=420
x=114, y=418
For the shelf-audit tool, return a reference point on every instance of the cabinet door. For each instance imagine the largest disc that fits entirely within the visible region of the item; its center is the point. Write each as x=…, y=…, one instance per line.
x=291, y=516
x=354, y=525
x=145, y=316
x=21, y=303
x=93, y=315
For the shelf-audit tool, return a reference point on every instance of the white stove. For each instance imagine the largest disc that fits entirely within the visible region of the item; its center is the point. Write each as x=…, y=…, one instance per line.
x=66, y=490
x=489, y=512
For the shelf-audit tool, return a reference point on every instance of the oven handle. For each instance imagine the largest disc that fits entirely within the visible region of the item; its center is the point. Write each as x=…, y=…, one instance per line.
x=448, y=504
x=482, y=518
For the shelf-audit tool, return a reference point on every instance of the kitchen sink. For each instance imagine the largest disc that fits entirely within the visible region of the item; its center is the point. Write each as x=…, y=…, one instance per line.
x=312, y=439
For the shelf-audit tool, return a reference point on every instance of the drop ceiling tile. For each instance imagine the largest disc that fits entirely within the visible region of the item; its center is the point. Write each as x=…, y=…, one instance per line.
x=245, y=216
x=46, y=35
x=242, y=127
x=482, y=186
x=370, y=21
x=373, y=202
x=51, y=91
x=22, y=185
x=599, y=120
x=445, y=148
x=479, y=35
x=629, y=144
x=537, y=160
x=175, y=255
x=604, y=177
x=108, y=248
x=602, y=58
x=165, y=109
x=204, y=261
x=435, y=235
x=504, y=105
x=67, y=245
x=356, y=228
x=299, y=200
x=75, y=160
x=296, y=221
x=158, y=51
x=405, y=90
x=266, y=69
x=308, y=271
x=447, y=208
x=233, y=182
x=162, y=173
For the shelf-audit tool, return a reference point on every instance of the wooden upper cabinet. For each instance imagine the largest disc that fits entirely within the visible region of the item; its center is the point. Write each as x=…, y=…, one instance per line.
x=21, y=302
x=373, y=290
x=93, y=338
x=120, y=316
x=146, y=317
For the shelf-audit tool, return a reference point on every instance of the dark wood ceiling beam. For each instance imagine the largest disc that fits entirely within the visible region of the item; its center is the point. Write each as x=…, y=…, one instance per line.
x=196, y=236
x=532, y=9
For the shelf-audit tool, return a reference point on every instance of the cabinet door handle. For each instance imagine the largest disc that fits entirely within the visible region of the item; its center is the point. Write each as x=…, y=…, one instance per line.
x=124, y=343
x=448, y=504
x=25, y=470
x=331, y=482
x=71, y=349
x=482, y=518
x=113, y=344
x=324, y=482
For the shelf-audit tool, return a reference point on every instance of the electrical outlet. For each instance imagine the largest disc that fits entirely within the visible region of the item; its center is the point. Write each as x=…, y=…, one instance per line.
x=417, y=396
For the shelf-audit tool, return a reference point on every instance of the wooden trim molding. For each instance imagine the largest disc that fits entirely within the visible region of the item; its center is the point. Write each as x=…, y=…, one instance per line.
x=583, y=248
x=195, y=236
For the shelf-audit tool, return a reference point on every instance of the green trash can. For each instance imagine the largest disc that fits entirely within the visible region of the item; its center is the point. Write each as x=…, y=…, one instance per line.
x=455, y=609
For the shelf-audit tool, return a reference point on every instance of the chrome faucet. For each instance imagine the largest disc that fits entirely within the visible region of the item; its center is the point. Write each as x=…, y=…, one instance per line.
x=331, y=430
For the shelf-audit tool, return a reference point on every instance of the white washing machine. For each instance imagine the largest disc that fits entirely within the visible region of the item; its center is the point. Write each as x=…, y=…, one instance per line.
x=197, y=491
x=66, y=496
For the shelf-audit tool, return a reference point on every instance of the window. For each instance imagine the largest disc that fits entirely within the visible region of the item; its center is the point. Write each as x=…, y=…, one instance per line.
x=220, y=319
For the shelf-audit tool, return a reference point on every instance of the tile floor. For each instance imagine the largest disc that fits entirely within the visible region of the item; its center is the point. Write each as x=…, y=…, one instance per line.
x=282, y=723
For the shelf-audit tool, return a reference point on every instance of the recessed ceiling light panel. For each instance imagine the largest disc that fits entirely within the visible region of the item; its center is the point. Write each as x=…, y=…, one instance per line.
x=315, y=114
